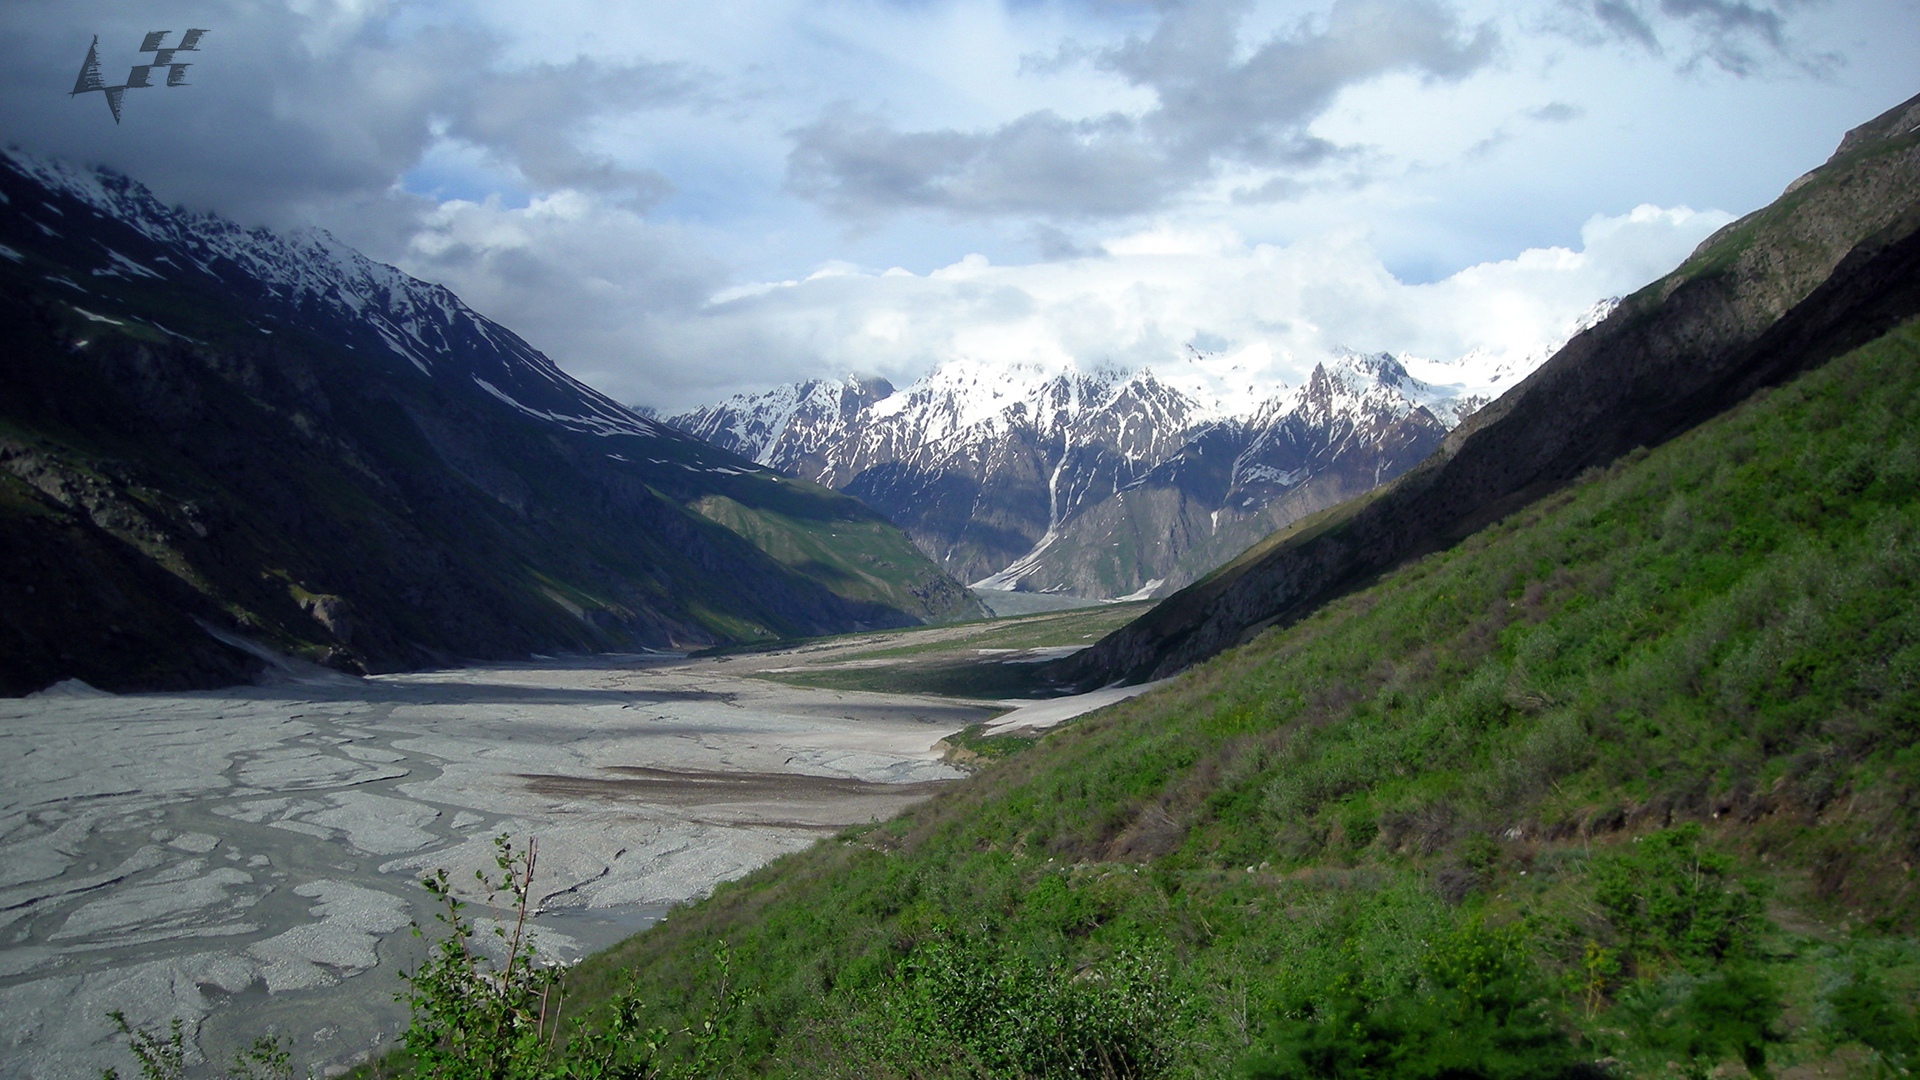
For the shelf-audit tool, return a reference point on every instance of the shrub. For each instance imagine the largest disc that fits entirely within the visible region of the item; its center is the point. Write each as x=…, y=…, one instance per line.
x=1479, y=1012
x=1701, y=1022
x=474, y=1020
x=1865, y=1013
x=961, y=1006
x=1670, y=898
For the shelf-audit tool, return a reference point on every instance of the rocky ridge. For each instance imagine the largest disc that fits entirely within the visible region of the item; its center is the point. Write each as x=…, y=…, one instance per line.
x=214, y=434
x=1103, y=482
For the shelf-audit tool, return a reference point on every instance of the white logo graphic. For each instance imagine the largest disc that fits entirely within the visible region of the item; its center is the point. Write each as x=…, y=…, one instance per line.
x=142, y=74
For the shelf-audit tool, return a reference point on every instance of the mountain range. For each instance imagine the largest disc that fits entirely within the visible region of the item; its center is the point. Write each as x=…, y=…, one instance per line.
x=219, y=443
x=1102, y=482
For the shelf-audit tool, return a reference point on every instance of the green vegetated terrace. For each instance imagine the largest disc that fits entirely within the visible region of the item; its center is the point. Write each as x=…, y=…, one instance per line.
x=857, y=553
x=1624, y=783
x=992, y=659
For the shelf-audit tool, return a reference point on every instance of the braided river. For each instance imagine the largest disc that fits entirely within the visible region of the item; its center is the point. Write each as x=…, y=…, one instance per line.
x=248, y=860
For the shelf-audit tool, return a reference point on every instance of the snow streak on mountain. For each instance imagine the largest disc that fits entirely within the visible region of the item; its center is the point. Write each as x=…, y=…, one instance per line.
x=1105, y=482
x=327, y=286
x=273, y=435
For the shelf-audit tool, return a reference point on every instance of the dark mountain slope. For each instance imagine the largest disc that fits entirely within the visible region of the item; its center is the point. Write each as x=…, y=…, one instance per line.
x=278, y=437
x=1833, y=262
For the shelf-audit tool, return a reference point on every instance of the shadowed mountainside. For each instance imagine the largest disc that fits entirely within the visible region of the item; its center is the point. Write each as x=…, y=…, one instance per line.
x=278, y=438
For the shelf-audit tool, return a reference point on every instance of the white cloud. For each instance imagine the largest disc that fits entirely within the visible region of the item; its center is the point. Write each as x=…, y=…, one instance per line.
x=1261, y=314
x=1103, y=181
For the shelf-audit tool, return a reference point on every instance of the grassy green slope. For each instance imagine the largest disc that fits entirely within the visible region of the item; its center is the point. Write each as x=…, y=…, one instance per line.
x=854, y=551
x=1830, y=265
x=1430, y=828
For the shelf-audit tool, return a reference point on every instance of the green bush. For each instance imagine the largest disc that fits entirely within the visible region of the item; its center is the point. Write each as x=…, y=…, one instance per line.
x=963, y=1007
x=1671, y=899
x=1700, y=1022
x=1865, y=1013
x=1479, y=1012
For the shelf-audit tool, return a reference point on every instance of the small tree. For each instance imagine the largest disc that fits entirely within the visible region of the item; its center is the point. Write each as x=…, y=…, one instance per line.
x=474, y=1019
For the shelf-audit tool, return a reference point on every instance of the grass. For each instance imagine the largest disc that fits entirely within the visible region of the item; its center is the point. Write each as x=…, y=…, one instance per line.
x=1628, y=775
x=864, y=558
x=965, y=660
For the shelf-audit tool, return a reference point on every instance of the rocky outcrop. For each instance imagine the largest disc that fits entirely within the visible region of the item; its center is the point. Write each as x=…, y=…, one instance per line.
x=1348, y=429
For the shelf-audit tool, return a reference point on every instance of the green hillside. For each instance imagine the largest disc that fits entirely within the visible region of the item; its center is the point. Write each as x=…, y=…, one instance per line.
x=1621, y=784
x=1830, y=265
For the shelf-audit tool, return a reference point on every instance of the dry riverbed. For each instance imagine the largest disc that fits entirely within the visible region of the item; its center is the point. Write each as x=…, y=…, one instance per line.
x=248, y=859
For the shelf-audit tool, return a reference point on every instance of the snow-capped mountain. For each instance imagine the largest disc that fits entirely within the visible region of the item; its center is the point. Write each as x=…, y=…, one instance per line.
x=206, y=425
x=1106, y=482
x=311, y=280
x=788, y=425
x=975, y=462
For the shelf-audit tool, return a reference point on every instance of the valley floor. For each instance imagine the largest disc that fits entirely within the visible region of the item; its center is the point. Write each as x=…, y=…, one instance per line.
x=248, y=858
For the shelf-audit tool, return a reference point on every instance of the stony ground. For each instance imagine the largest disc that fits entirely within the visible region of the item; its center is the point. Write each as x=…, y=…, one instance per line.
x=248, y=859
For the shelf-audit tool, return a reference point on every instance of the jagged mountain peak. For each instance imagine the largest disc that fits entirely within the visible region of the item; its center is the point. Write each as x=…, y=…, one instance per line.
x=310, y=279
x=965, y=394
x=1006, y=471
x=780, y=426
x=276, y=435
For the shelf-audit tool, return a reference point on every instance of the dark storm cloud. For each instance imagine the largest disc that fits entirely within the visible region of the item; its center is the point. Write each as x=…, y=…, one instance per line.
x=1213, y=108
x=1739, y=38
x=1557, y=112
x=1255, y=111
x=1055, y=244
x=286, y=111
x=1623, y=21
x=535, y=116
x=1728, y=18
x=1041, y=164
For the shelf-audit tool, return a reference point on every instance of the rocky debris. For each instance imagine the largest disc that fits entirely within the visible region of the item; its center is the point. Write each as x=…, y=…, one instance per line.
x=248, y=860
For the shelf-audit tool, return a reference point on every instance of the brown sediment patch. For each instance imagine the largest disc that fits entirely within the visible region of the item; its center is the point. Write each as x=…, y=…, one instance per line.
x=639, y=783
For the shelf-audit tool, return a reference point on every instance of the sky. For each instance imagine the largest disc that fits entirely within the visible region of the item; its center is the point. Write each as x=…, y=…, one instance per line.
x=679, y=202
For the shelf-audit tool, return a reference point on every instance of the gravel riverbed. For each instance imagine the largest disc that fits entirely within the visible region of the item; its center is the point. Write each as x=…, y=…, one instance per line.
x=248, y=859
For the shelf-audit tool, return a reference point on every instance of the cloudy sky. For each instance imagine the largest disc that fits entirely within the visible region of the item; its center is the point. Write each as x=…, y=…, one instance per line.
x=681, y=201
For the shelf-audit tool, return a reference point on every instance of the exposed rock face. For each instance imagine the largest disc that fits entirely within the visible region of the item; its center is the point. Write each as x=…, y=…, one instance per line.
x=275, y=436
x=790, y=428
x=1100, y=483
x=975, y=463
x=1344, y=432
x=1831, y=264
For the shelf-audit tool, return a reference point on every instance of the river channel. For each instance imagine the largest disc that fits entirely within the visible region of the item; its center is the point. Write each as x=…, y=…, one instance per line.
x=248, y=860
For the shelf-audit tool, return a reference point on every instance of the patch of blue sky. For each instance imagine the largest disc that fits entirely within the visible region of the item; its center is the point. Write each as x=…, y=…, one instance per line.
x=444, y=185
x=454, y=169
